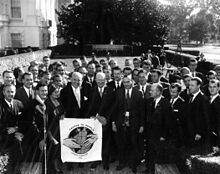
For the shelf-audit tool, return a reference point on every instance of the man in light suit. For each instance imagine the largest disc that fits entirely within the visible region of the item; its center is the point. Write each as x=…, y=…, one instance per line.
x=75, y=97
x=100, y=107
x=128, y=123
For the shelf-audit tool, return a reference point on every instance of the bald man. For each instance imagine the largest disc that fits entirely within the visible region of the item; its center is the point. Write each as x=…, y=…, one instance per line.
x=75, y=97
x=101, y=102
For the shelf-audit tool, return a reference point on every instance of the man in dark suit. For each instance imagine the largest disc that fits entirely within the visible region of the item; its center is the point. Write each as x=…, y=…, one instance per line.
x=185, y=94
x=90, y=77
x=25, y=94
x=156, y=77
x=146, y=65
x=8, y=78
x=193, y=64
x=10, y=135
x=145, y=88
x=116, y=83
x=101, y=101
x=205, y=88
x=178, y=127
x=75, y=97
x=197, y=114
x=157, y=124
x=128, y=123
x=214, y=114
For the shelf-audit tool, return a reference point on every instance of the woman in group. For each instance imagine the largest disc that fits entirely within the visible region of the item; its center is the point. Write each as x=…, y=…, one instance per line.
x=55, y=112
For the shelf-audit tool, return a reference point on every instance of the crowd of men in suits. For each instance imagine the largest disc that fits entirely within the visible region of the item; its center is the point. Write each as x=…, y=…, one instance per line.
x=141, y=105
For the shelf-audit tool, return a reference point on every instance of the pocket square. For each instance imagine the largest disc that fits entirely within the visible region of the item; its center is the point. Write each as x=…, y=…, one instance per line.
x=85, y=98
x=175, y=110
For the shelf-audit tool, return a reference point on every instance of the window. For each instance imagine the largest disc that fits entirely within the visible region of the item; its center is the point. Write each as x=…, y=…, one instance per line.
x=16, y=40
x=16, y=8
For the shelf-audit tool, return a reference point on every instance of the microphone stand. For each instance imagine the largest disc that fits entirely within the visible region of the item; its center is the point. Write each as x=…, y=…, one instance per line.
x=45, y=137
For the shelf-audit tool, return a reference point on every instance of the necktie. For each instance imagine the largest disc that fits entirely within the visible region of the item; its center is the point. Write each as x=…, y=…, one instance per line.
x=127, y=95
x=153, y=105
x=171, y=101
x=143, y=90
x=117, y=85
x=77, y=97
x=10, y=106
x=90, y=80
x=30, y=96
x=191, y=99
x=100, y=92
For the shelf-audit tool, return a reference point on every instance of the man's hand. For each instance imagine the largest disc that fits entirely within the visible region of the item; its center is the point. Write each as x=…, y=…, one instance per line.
x=141, y=130
x=19, y=136
x=215, y=149
x=102, y=120
x=162, y=139
x=55, y=141
x=12, y=130
x=198, y=137
x=70, y=142
x=114, y=128
x=91, y=139
x=41, y=145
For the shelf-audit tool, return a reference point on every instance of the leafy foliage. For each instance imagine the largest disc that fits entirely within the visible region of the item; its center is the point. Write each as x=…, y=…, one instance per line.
x=123, y=21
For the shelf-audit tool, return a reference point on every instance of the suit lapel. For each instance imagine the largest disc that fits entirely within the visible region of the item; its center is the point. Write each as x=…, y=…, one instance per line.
x=24, y=93
x=215, y=100
x=159, y=103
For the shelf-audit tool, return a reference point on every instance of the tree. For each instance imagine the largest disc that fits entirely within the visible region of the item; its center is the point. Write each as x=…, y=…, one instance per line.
x=198, y=27
x=123, y=21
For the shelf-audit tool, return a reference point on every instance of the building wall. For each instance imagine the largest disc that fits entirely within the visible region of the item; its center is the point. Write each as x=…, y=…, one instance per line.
x=37, y=24
x=4, y=20
x=22, y=60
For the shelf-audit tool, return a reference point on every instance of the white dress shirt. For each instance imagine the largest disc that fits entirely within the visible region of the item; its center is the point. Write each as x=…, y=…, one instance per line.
x=10, y=104
x=128, y=91
x=213, y=97
x=194, y=96
x=77, y=94
x=28, y=91
x=157, y=101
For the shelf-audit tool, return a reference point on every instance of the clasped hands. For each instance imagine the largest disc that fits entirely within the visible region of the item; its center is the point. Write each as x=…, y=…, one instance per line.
x=72, y=144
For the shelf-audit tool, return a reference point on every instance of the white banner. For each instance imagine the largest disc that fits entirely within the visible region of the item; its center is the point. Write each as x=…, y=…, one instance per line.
x=81, y=140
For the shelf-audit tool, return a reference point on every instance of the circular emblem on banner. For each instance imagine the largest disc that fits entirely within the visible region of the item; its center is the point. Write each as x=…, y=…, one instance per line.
x=80, y=140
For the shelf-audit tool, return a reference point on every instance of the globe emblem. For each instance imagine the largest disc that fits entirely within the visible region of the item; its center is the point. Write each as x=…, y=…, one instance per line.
x=80, y=135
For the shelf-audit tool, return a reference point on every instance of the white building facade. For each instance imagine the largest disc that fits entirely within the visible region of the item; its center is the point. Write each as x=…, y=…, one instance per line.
x=28, y=23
